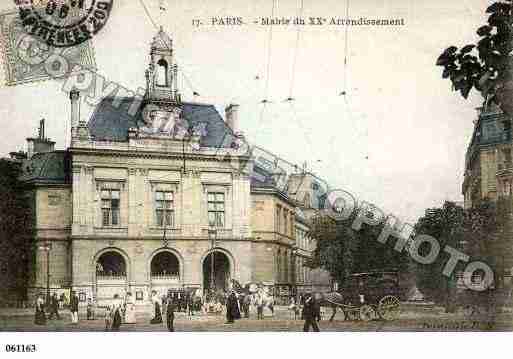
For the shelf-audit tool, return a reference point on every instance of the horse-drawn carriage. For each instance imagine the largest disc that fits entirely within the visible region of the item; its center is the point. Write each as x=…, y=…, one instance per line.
x=366, y=296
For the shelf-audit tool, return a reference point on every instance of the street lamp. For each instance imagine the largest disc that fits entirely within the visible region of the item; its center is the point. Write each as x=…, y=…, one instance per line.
x=212, y=235
x=46, y=247
x=295, y=251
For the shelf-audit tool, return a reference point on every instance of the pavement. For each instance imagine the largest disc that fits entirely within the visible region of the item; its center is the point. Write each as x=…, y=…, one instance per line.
x=410, y=319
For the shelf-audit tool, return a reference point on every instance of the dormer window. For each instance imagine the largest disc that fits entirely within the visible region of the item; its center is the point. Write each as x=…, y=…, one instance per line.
x=162, y=73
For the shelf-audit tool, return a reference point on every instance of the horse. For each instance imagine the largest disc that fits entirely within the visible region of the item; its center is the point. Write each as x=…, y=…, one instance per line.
x=332, y=300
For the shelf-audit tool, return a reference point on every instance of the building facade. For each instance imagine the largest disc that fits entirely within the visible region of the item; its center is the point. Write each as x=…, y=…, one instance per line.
x=162, y=199
x=489, y=175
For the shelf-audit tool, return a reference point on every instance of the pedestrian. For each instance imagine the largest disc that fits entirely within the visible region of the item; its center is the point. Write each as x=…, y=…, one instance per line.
x=129, y=306
x=73, y=307
x=260, y=306
x=157, y=305
x=40, y=316
x=54, y=307
x=246, y=304
x=310, y=313
x=90, y=309
x=116, y=314
x=61, y=301
x=232, y=308
x=190, y=304
x=170, y=315
x=108, y=318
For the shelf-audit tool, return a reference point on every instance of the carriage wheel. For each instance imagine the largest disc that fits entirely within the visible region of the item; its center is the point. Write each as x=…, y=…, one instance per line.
x=389, y=307
x=366, y=313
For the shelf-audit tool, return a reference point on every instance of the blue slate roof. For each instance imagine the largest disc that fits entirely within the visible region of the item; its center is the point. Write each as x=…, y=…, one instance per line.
x=49, y=167
x=112, y=123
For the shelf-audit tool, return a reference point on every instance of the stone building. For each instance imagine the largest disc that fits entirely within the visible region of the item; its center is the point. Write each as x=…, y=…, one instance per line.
x=488, y=164
x=489, y=173
x=160, y=198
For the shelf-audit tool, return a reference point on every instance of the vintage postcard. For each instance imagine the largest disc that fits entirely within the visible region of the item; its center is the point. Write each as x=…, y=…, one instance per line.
x=255, y=166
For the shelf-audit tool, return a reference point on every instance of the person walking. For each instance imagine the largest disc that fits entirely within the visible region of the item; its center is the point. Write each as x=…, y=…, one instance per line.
x=170, y=315
x=310, y=313
x=54, y=307
x=40, y=316
x=232, y=308
x=116, y=314
x=73, y=307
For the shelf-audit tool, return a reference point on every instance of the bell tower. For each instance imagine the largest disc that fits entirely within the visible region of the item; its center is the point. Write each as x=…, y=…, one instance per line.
x=161, y=75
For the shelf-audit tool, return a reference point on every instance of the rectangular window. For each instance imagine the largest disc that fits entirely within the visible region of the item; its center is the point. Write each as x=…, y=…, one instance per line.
x=110, y=207
x=216, y=209
x=165, y=209
x=506, y=155
x=285, y=222
x=278, y=219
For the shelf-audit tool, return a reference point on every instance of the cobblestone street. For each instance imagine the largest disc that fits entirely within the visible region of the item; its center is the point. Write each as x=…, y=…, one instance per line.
x=410, y=320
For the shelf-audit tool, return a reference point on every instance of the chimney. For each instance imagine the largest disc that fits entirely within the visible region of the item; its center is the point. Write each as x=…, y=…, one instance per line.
x=232, y=117
x=39, y=143
x=74, y=96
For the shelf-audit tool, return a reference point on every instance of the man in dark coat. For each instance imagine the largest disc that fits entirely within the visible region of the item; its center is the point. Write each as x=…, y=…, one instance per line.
x=170, y=315
x=54, y=307
x=232, y=308
x=310, y=313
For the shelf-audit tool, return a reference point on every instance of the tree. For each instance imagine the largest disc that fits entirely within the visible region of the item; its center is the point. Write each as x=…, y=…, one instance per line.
x=481, y=232
x=490, y=72
x=342, y=250
x=15, y=232
x=446, y=225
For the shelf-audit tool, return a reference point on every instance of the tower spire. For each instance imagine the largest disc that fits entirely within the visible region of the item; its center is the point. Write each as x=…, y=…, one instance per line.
x=161, y=76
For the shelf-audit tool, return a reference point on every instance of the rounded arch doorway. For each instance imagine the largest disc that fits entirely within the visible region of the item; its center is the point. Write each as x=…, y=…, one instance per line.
x=111, y=275
x=165, y=272
x=216, y=271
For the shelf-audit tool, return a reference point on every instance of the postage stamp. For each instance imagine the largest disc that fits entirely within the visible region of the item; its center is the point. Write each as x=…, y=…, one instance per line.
x=28, y=59
x=63, y=23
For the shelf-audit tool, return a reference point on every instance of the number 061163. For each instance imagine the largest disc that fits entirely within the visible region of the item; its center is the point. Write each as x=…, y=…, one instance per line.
x=20, y=348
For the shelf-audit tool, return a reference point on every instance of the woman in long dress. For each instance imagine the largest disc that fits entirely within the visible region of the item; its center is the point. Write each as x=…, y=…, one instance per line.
x=157, y=304
x=116, y=314
x=40, y=318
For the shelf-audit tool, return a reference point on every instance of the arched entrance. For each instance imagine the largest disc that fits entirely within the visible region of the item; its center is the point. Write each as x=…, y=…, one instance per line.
x=164, y=272
x=111, y=275
x=216, y=271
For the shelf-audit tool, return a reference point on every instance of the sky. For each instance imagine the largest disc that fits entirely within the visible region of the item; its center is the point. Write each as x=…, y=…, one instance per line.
x=396, y=139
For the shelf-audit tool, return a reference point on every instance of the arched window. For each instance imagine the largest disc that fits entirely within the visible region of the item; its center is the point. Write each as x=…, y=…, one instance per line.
x=162, y=73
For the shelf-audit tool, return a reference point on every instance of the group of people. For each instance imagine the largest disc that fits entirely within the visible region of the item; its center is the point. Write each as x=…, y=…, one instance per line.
x=237, y=304
x=52, y=306
x=123, y=310
x=162, y=308
x=120, y=311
